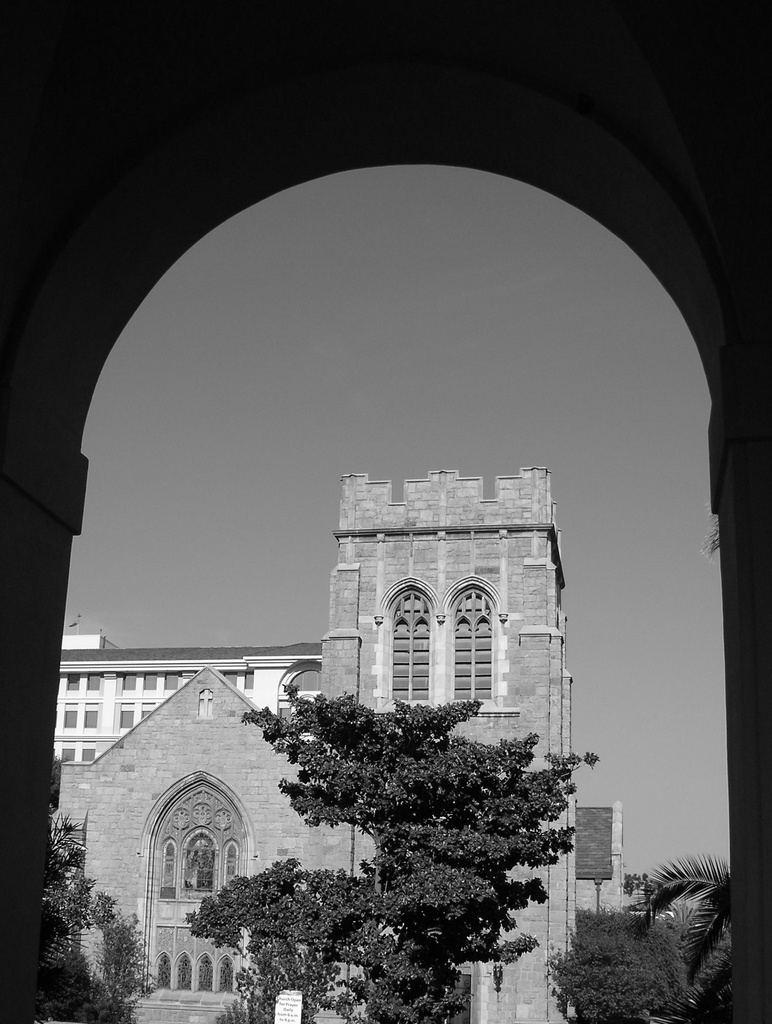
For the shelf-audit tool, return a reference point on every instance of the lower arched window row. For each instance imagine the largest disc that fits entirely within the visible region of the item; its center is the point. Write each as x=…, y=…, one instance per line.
x=205, y=975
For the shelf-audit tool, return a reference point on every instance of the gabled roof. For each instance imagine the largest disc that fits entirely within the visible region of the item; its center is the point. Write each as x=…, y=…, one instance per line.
x=302, y=650
x=593, y=842
x=210, y=676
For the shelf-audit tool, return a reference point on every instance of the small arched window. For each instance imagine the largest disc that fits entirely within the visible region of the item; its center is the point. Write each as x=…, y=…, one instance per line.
x=473, y=648
x=205, y=974
x=184, y=972
x=199, y=867
x=410, y=648
x=205, y=701
x=226, y=975
x=164, y=971
x=308, y=682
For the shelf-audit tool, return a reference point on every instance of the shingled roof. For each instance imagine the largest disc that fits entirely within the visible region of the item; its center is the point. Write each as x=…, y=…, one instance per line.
x=193, y=653
x=593, y=842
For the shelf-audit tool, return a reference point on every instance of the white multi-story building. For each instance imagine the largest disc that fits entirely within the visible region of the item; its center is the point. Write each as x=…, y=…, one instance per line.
x=104, y=691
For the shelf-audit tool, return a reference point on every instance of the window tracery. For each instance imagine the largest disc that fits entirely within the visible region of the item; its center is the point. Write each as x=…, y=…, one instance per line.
x=199, y=845
x=411, y=641
x=473, y=647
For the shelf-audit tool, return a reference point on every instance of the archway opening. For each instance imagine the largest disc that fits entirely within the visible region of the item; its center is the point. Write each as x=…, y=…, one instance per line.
x=396, y=320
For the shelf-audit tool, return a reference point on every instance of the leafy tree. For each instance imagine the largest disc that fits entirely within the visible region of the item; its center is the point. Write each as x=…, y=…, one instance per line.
x=640, y=884
x=615, y=971
x=120, y=967
x=293, y=919
x=72, y=992
x=456, y=828
x=68, y=987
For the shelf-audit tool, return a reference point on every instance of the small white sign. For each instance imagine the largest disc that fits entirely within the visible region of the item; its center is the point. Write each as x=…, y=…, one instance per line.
x=289, y=1006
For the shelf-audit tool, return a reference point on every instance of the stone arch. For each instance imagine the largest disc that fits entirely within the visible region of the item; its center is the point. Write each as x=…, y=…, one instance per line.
x=472, y=582
x=401, y=586
x=198, y=809
x=85, y=262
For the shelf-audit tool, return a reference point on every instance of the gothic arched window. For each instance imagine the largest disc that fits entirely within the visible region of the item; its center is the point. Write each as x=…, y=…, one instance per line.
x=164, y=971
x=231, y=862
x=410, y=648
x=168, y=886
x=226, y=975
x=199, y=864
x=473, y=648
x=184, y=972
x=205, y=974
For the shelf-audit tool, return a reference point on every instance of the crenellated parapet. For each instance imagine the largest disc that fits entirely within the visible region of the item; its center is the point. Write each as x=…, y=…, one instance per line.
x=445, y=499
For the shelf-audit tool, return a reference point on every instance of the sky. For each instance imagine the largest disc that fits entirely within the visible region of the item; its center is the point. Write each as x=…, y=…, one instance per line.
x=392, y=321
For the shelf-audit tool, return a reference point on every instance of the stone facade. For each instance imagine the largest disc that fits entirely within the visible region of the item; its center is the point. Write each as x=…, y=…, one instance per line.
x=445, y=595
x=445, y=541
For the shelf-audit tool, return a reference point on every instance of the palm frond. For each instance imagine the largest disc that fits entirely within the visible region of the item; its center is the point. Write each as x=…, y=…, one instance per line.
x=703, y=883
x=707, y=1002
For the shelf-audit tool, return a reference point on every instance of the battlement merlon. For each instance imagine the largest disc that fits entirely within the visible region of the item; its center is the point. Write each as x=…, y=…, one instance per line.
x=445, y=500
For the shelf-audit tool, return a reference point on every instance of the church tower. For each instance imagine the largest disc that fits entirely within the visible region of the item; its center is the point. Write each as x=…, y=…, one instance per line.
x=447, y=596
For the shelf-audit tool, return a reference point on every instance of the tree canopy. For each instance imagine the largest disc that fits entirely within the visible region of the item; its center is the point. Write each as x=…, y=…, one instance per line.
x=617, y=971
x=458, y=831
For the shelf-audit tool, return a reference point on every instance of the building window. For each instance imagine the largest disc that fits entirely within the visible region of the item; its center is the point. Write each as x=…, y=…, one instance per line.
x=91, y=716
x=151, y=683
x=164, y=971
x=205, y=701
x=473, y=648
x=171, y=681
x=226, y=975
x=308, y=681
x=89, y=753
x=73, y=684
x=94, y=684
x=199, y=864
x=70, y=716
x=129, y=683
x=232, y=677
x=205, y=974
x=249, y=681
x=184, y=972
x=146, y=709
x=68, y=754
x=127, y=716
x=410, y=648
